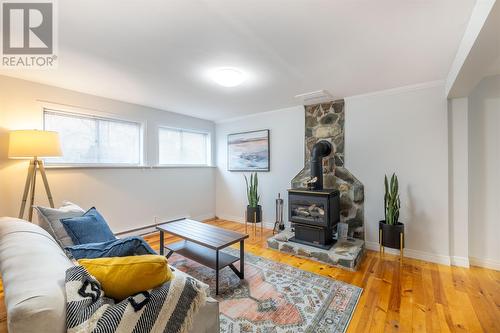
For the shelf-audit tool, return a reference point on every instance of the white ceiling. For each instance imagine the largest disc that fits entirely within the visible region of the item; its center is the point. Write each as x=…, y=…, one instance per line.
x=157, y=52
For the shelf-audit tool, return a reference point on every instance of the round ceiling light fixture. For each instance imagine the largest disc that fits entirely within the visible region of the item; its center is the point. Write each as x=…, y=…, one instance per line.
x=228, y=77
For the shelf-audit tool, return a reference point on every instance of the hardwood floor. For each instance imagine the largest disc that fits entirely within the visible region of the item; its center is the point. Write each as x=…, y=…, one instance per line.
x=414, y=296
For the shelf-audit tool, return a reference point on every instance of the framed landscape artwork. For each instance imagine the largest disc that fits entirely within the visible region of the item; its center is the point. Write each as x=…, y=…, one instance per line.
x=248, y=151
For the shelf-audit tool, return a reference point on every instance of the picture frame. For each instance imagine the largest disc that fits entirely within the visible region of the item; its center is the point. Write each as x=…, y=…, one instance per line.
x=249, y=151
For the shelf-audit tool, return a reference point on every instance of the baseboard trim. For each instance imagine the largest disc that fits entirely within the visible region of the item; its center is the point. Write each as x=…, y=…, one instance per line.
x=204, y=217
x=374, y=246
x=441, y=259
x=239, y=219
x=414, y=254
x=485, y=263
x=460, y=261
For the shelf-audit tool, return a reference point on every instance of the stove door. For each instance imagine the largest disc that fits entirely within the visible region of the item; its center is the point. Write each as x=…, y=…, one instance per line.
x=308, y=209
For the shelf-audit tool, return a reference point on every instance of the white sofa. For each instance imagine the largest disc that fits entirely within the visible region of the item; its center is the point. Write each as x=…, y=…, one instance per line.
x=33, y=270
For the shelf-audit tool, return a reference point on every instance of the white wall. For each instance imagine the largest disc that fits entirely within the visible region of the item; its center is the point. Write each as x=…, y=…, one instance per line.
x=458, y=110
x=405, y=131
x=128, y=198
x=287, y=159
x=484, y=173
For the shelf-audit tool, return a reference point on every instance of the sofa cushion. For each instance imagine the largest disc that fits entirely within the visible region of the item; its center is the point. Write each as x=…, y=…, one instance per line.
x=116, y=248
x=91, y=227
x=33, y=268
x=121, y=277
x=49, y=220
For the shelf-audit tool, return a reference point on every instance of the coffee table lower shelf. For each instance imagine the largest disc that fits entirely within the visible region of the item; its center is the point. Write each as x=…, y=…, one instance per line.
x=214, y=259
x=200, y=254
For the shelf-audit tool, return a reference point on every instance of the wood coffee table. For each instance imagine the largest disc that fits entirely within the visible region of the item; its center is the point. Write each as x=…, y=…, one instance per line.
x=202, y=243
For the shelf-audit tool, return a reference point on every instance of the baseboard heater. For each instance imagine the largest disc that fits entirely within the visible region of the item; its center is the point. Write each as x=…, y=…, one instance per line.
x=153, y=225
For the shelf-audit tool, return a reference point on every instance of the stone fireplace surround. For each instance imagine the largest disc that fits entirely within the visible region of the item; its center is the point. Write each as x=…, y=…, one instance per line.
x=325, y=121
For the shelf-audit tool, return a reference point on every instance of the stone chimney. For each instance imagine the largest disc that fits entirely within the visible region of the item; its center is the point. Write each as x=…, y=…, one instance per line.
x=325, y=121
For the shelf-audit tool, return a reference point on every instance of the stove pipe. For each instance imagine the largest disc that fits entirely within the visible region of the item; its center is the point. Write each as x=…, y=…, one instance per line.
x=320, y=150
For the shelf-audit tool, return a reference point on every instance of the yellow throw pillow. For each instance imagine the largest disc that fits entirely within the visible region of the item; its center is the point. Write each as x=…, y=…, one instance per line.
x=121, y=277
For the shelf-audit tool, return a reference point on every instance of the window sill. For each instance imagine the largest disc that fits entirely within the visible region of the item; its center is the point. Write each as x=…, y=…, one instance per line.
x=144, y=167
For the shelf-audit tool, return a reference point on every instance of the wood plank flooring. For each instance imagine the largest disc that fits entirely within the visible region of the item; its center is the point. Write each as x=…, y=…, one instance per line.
x=414, y=296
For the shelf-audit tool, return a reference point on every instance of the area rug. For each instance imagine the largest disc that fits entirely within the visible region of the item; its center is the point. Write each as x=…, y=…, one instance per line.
x=276, y=298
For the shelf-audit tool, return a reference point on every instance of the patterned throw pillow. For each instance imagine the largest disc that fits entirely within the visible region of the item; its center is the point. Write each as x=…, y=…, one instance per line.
x=50, y=220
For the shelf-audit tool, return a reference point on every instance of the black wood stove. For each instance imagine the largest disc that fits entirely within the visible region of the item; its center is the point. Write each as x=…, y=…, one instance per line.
x=315, y=211
x=314, y=215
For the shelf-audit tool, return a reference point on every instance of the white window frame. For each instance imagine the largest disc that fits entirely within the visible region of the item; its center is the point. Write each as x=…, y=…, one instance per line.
x=99, y=115
x=208, y=147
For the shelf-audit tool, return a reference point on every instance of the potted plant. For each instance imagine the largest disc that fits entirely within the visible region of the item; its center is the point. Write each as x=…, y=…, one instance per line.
x=254, y=210
x=391, y=231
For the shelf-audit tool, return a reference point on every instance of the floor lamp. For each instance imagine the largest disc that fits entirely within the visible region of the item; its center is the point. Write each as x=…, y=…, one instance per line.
x=33, y=144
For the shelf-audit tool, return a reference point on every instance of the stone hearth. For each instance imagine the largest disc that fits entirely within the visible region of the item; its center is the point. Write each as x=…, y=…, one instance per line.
x=345, y=254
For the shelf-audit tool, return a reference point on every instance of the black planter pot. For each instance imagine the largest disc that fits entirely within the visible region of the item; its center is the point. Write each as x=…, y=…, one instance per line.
x=254, y=214
x=391, y=234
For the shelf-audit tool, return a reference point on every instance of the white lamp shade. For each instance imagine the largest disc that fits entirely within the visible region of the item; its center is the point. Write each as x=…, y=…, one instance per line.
x=33, y=143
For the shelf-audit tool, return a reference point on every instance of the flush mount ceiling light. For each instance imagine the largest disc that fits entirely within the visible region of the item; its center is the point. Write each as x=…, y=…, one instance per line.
x=228, y=77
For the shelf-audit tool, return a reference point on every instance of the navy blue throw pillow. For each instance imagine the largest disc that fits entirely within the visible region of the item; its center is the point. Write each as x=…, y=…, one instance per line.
x=89, y=228
x=129, y=246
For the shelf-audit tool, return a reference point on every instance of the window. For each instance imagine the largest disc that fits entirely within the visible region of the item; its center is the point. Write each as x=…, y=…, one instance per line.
x=182, y=147
x=88, y=140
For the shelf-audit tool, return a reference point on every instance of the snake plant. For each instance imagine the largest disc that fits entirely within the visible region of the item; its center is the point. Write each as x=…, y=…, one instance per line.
x=252, y=188
x=392, y=203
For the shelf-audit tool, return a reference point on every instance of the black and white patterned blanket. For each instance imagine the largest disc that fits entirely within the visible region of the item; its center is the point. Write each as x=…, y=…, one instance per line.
x=169, y=308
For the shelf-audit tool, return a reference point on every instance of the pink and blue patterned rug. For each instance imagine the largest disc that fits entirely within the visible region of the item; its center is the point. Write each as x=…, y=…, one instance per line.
x=276, y=298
